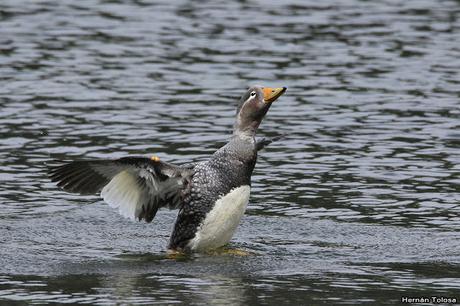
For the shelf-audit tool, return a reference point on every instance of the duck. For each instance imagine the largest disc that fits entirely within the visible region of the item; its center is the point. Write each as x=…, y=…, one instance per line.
x=211, y=196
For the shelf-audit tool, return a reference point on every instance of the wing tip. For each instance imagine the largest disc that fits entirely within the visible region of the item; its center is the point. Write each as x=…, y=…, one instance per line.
x=75, y=176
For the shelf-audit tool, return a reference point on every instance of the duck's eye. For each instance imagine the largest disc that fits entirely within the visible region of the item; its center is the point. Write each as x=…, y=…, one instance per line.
x=253, y=94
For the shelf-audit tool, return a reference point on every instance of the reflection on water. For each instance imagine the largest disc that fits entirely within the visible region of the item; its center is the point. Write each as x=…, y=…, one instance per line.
x=358, y=203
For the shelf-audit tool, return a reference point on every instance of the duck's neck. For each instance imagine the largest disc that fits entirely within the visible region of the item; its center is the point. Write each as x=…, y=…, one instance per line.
x=245, y=129
x=245, y=134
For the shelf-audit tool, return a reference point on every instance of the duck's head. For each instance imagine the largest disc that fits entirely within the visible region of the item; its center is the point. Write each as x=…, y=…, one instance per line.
x=252, y=108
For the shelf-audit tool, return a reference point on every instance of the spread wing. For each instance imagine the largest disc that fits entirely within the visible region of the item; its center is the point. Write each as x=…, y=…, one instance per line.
x=136, y=186
x=263, y=142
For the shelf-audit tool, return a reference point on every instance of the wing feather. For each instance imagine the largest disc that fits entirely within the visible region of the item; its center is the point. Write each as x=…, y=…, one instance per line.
x=136, y=186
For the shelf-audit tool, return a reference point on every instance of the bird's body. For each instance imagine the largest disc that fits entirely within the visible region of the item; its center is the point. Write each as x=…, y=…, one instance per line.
x=224, y=178
x=211, y=195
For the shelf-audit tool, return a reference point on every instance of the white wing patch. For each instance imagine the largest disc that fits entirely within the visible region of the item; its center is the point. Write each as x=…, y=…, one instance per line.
x=125, y=194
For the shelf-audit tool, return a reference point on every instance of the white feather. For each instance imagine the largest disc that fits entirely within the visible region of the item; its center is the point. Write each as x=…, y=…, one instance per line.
x=123, y=192
x=221, y=222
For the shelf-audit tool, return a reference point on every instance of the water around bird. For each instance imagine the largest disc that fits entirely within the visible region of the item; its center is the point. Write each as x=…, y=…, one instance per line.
x=357, y=204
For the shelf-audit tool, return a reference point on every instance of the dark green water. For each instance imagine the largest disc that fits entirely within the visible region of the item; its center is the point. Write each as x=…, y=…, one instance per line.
x=358, y=204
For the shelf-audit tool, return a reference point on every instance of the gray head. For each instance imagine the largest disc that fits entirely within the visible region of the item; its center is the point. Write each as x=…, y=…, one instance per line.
x=253, y=106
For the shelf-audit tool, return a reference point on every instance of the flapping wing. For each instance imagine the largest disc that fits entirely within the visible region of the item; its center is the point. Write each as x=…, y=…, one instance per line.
x=136, y=186
x=263, y=142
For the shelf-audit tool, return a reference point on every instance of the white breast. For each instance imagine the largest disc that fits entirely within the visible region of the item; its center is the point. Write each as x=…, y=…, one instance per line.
x=221, y=222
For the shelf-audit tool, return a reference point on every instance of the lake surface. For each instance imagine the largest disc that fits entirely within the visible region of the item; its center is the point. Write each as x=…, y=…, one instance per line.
x=359, y=202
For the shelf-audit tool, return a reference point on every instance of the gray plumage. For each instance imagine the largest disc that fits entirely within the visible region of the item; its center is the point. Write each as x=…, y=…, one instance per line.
x=139, y=186
x=230, y=167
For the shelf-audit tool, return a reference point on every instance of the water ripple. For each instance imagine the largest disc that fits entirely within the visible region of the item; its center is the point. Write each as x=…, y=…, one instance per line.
x=370, y=121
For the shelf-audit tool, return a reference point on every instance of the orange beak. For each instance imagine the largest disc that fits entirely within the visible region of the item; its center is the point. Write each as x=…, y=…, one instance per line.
x=271, y=94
